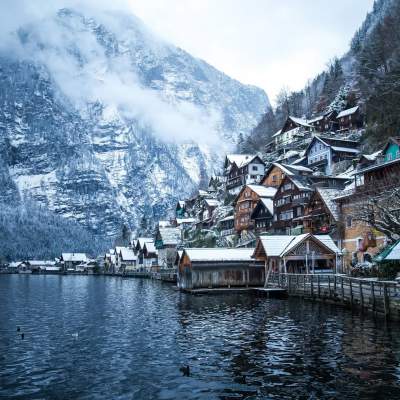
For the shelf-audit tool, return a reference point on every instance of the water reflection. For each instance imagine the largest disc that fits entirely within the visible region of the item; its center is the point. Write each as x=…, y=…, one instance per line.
x=103, y=338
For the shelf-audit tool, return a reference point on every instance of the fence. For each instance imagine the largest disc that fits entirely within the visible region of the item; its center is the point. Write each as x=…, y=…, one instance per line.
x=381, y=297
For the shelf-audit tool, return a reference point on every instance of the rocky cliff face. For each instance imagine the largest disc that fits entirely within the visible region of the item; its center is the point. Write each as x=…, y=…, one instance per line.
x=102, y=122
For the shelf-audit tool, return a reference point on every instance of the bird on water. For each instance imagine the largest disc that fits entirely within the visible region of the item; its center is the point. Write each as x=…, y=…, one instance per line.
x=185, y=370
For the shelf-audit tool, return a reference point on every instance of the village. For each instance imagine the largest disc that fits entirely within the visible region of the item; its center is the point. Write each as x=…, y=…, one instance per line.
x=311, y=203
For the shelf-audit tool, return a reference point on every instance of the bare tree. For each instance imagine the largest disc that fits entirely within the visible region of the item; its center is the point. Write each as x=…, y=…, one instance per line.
x=381, y=212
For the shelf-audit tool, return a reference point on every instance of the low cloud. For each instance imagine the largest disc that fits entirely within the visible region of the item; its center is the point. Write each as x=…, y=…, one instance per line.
x=79, y=65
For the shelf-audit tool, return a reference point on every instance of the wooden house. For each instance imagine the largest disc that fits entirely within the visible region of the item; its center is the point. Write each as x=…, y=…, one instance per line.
x=245, y=203
x=126, y=260
x=218, y=268
x=138, y=250
x=383, y=174
x=289, y=202
x=208, y=205
x=263, y=215
x=371, y=178
x=242, y=170
x=301, y=254
x=326, y=122
x=323, y=153
x=71, y=261
x=150, y=257
x=350, y=119
x=110, y=260
x=293, y=129
x=227, y=226
x=321, y=215
x=276, y=172
x=166, y=242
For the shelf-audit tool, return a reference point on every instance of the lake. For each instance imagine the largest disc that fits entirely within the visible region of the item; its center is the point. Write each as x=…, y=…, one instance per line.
x=94, y=337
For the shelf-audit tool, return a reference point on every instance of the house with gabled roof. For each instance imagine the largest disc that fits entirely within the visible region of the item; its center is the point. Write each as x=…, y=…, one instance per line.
x=350, y=119
x=202, y=268
x=293, y=129
x=150, y=257
x=323, y=153
x=321, y=215
x=166, y=242
x=242, y=170
x=245, y=203
x=263, y=215
x=276, y=172
x=305, y=254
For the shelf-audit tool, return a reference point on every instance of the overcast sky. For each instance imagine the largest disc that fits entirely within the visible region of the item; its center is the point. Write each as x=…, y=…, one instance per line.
x=268, y=43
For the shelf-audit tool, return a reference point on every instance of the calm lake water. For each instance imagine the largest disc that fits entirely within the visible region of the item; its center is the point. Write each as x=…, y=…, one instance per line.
x=111, y=338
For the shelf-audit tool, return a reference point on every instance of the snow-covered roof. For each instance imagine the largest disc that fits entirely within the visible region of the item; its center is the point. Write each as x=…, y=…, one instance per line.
x=345, y=149
x=263, y=191
x=180, y=221
x=241, y=159
x=280, y=245
x=219, y=254
x=228, y=218
x=181, y=203
x=300, y=121
x=373, y=156
x=142, y=240
x=347, y=112
x=127, y=254
x=328, y=196
x=41, y=263
x=268, y=203
x=164, y=224
x=150, y=247
x=212, y=202
x=170, y=236
x=301, y=183
x=277, y=133
x=74, y=257
x=394, y=253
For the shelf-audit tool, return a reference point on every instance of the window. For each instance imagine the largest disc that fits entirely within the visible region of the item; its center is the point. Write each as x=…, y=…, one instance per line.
x=274, y=178
x=254, y=168
x=349, y=221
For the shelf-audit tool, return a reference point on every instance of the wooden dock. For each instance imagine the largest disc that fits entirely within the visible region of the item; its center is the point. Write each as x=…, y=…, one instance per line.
x=367, y=295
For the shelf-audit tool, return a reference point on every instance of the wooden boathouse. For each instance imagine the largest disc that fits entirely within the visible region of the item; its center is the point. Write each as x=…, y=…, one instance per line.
x=302, y=254
x=219, y=268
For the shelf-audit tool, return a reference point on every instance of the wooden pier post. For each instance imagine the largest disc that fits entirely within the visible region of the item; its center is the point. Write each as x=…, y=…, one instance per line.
x=319, y=286
x=351, y=292
x=385, y=300
x=329, y=285
x=361, y=295
x=373, y=296
x=312, y=285
x=342, y=287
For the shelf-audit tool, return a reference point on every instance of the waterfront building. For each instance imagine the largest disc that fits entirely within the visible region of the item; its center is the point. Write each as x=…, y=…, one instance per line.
x=166, y=243
x=150, y=257
x=218, y=268
x=126, y=260
x=73, y=262
x=303, y=254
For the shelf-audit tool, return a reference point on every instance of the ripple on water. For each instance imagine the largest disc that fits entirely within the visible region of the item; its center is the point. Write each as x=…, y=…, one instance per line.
x=103, y=338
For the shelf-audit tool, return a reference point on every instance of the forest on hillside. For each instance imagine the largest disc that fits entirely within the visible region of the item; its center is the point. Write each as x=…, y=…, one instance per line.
x=368, y=76
x=31, y=232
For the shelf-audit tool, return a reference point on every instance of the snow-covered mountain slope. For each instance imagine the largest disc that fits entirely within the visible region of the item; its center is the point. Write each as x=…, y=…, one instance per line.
x=103, y=122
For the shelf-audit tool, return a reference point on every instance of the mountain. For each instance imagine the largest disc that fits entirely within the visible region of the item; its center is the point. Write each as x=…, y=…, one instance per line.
x=103, y=122
x=368, y=75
